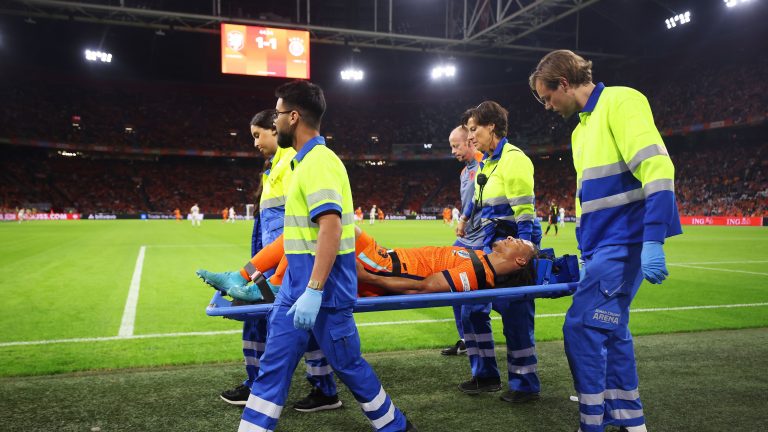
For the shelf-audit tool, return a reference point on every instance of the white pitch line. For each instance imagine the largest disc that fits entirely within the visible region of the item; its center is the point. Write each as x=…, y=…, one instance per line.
x=719, y=269
x=211, y=245
x=117, y=338
x=129, y=313
x=370, y=324
x=720, y=262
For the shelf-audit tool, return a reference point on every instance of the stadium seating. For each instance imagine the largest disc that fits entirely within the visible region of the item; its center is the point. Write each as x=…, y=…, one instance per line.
x=141, y=117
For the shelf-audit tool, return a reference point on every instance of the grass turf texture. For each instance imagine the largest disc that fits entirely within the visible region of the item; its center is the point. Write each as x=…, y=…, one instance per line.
x=67, y=280
x=707, y=381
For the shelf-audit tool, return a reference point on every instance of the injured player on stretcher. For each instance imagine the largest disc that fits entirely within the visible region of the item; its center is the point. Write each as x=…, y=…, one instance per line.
x=383, y=271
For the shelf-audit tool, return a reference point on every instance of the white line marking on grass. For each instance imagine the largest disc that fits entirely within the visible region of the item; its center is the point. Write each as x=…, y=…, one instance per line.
x=194, y=245
x=129, y=313
x=370, y=324
x=117, y=338
x=718, y=269
x=720, y=262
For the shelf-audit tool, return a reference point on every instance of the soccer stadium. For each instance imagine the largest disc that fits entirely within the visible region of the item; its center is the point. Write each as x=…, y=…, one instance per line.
x=345, y=215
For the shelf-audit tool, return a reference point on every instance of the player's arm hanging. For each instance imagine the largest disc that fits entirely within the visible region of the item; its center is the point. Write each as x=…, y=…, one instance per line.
x=400, y=285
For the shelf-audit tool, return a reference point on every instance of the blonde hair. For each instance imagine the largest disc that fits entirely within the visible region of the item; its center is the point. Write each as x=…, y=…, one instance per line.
x=561, y=64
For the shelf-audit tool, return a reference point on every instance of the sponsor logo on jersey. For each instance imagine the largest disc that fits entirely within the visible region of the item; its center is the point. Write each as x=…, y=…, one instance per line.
x=462, y=253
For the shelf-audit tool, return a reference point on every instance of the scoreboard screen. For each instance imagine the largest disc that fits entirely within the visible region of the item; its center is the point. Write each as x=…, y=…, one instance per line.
x=264, y=51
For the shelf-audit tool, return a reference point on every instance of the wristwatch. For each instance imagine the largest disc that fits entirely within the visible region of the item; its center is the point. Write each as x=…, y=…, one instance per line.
x=315, y=285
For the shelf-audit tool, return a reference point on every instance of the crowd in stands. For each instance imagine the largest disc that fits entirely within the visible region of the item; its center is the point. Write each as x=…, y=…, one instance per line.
x=710, y=181
x=160, y=115
x=183, y=116
x=724, y=181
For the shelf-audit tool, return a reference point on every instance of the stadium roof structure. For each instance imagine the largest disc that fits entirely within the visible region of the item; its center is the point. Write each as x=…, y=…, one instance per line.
x=504, y=29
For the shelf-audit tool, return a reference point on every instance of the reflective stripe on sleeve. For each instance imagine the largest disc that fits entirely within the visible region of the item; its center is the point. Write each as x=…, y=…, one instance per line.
x=293, y=221
x=272, y=202
x=489, y=202
x=520, y=200
x=646, y=153
x=612, y=201
x=659, y=185
x=602, y=171
x=323, y=195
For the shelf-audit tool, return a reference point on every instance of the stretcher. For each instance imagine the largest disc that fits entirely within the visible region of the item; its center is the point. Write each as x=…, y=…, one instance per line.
x=556, y=277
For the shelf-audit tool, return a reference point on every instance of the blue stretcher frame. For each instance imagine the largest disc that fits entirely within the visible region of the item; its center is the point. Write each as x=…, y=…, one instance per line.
x=555, y=277
x=220, y=306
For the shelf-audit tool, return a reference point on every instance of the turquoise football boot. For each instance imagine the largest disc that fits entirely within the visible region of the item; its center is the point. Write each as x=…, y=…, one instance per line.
x=222, y=281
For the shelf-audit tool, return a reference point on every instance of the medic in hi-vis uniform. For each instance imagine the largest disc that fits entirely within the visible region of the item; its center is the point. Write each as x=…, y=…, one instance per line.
x=320, y=285
x=625, y=208
x=505, y=200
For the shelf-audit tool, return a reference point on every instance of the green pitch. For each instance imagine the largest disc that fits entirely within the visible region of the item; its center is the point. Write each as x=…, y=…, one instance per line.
x=65, y=286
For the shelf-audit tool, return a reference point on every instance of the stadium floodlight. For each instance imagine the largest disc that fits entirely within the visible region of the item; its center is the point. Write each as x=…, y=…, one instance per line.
x=98, y=56
x=683, y=18
x=732, y=3
x=351, y=74
x=443, y=71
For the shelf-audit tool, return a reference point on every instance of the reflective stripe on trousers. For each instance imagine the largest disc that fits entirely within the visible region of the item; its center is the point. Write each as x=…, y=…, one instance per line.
x=598, y=343
x=337, y=337
x=517, y=319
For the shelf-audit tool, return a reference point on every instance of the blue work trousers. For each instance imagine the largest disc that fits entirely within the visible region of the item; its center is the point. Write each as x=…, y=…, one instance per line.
x=517, y=318
x=337, y=337
x=598, y=343
x=319, y=372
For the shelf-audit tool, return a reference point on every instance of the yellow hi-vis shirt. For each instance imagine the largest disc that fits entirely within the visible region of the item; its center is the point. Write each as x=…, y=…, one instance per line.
x=624, y=177
x=319, y=184
x=274, y=184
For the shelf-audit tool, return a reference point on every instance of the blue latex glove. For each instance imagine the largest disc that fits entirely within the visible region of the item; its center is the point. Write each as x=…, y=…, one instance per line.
x=582, y=269
x=224, y=281
x=306, y=309
x=653, y=262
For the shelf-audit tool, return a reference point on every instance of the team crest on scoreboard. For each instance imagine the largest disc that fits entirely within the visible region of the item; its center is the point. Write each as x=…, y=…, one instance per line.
x=235, y=40
x=296, y=46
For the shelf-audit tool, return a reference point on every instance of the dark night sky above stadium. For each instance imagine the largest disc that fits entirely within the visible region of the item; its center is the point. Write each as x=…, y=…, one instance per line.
x=634, y=28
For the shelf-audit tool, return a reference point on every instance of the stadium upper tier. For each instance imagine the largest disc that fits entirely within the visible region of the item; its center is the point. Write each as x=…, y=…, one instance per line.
x=153, y=115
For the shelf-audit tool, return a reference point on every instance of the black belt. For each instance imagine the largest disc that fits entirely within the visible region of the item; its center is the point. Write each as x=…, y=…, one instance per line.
x=478, y=267
x=396, y=266
x=266, y=291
